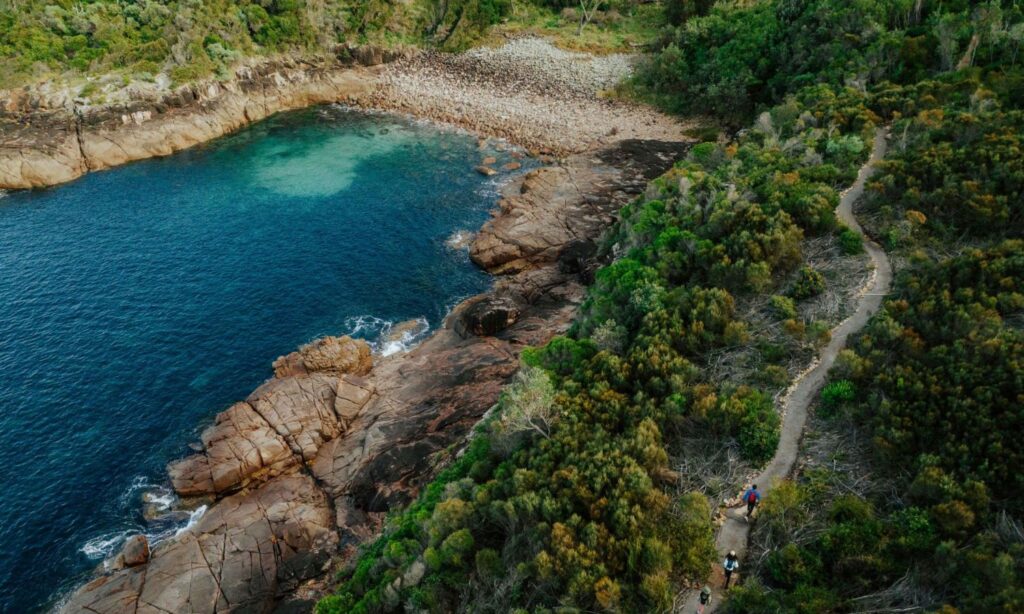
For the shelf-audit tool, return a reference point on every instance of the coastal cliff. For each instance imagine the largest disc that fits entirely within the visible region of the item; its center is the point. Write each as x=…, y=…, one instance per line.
x=50, y=138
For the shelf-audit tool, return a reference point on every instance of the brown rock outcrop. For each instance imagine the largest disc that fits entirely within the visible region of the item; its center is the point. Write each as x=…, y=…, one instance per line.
x=301, y=410
x=487, y=316
x=239, y=447
x=560, y=205
x=242, y=555
x=327, y=354
x=135, y=551
x=281, y=425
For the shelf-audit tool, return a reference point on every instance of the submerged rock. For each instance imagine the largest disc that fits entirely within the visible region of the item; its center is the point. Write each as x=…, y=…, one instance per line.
x=403, y=331
x=328, y=354
x=486, y=171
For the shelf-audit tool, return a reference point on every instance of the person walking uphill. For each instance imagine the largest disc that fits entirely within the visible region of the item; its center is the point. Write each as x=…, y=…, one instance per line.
x=731, y=564
x=752, y=497
x=704, y=600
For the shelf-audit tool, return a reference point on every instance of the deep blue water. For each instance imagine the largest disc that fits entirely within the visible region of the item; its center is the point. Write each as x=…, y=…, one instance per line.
x=138, y=302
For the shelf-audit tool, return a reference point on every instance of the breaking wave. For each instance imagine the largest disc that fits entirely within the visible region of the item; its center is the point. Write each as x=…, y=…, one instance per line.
x=162, y=519
x=103, y=546
x=386, y=337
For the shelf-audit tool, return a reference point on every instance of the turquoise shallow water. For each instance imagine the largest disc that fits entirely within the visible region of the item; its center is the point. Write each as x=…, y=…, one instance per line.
x=138, y=302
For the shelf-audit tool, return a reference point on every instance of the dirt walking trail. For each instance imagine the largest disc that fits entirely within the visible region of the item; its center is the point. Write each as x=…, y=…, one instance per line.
x=734, y=532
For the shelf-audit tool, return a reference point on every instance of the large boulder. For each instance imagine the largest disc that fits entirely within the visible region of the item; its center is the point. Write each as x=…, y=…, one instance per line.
x=135, y=551
x=301, y=410
x=487, y=317
x=329, y=354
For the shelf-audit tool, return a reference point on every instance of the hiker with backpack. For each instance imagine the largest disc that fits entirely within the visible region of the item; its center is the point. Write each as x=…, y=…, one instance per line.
x=752, y=497
x=731, y=564
x=704, y=600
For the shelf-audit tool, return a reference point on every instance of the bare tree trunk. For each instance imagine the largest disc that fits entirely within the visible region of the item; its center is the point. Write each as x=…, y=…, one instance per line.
x=440, y=12
x=917, y=11
x=587, y=13
x=968, y=58
x=455, y=25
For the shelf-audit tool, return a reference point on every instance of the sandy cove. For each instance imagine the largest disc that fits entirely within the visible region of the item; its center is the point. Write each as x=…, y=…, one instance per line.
x=302, y=471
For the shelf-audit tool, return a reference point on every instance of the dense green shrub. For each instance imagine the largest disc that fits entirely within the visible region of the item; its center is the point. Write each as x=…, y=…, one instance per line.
x=850, y=242
x=575, y=513
x=936, y=376
x=783, y=307
x=836, y=395
x=808, y=283
x=678, y=12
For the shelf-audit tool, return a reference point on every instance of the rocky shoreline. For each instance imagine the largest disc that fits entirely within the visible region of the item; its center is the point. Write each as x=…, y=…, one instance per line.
x=47, y=138
x=309, y=464
x=305, y=469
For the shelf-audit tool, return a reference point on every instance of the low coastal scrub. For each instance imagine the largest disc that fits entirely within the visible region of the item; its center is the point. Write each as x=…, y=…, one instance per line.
x=572, y=505
x=188, y=39
x=924, y=513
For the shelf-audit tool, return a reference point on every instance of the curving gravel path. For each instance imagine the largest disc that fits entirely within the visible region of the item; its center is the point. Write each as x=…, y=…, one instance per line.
x=734, y=532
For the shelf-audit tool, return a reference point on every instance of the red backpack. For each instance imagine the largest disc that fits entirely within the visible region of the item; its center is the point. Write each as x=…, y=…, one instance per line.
x=752, y=497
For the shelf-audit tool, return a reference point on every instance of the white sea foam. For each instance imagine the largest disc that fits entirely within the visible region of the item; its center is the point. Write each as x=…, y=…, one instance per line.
x=367, y=327
x=160, y=498
x=382, y=335
x=106, y=544
x=164, y=524
x=404, y=340
x=460, y=239
x=139, y=482
x=193, y=518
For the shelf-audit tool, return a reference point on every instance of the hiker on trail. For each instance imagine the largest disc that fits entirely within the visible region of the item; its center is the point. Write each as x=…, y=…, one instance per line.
x=731, y=564
x=752, y=497
x=704, y=600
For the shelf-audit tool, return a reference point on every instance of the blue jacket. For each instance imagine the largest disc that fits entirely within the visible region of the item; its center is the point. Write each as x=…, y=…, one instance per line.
x=746, y=495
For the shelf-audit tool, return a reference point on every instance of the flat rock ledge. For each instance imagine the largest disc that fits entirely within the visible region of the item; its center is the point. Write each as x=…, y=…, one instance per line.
x=305, y=469
x=50, y=137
